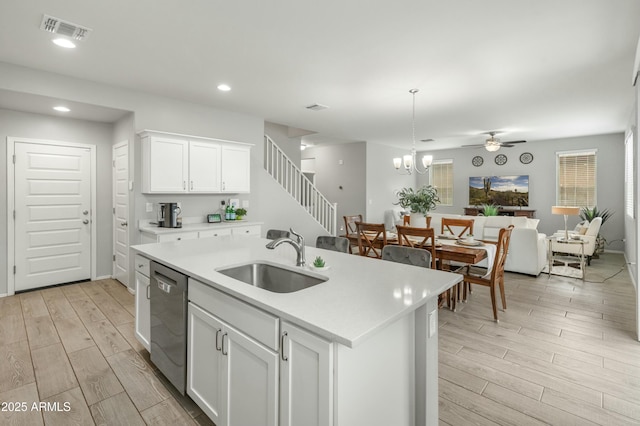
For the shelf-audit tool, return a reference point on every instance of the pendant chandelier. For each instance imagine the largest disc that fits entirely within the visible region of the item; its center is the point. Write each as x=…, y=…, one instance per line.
x=408, y=162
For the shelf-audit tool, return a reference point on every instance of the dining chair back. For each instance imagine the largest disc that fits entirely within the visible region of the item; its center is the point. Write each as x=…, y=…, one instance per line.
x=457, y=227
x=371, y=238
x=421, y=238
x=493, y=278
x=274, y=234
x=326, y=242
x=351, y=230
x=407, y=255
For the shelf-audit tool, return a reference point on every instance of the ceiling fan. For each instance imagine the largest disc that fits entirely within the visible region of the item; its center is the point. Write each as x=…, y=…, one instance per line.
x=493, y=144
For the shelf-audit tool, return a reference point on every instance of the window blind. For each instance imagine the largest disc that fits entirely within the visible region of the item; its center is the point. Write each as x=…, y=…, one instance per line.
x=576, y=178
x=628, y=176
x=442, y=179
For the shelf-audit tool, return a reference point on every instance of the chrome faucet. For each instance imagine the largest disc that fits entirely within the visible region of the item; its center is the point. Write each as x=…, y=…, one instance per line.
x=298, y=245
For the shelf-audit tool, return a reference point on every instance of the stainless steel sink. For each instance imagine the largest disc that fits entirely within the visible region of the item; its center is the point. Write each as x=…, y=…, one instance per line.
x=271, y=277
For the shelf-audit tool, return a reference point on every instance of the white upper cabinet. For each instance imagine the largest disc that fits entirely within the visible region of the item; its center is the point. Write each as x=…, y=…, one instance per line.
x=204, y=167
x=173, y=164
x=235, y=168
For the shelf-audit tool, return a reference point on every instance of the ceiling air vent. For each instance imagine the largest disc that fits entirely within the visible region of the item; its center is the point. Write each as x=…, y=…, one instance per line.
x=316, y=107
x=65, y=28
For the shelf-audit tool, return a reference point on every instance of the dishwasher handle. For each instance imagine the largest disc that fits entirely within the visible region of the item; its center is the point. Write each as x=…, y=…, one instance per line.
x=165, y=284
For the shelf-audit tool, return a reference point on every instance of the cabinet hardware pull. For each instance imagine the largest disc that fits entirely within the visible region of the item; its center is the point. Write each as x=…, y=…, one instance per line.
x=218, y=333
x=148, y=292
x=282, y=355
x=184, y=184
x=179, y=238
x=192, y=185
x=140, y=265
x=222, y=346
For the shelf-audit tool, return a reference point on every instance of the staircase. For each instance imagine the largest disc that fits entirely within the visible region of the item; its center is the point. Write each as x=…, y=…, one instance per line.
x=292, y=180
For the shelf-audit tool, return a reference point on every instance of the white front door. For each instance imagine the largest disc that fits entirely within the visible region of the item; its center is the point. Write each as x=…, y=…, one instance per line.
x=53, y=217
x=120, y=187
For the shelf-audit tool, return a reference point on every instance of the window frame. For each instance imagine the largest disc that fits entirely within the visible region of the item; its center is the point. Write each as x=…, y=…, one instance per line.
x=441, y=162
x=590, y=200
x=629, y=172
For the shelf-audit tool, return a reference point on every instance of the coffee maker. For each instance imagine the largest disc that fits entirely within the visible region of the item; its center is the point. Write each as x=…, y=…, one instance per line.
x=168, y=215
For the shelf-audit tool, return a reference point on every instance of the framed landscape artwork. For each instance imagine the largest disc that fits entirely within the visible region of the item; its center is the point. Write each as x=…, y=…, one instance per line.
x=510, y=191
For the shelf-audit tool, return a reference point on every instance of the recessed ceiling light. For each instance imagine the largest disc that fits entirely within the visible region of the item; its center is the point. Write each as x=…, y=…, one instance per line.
x=224, y=87
x=61, y=109
x=64, y=42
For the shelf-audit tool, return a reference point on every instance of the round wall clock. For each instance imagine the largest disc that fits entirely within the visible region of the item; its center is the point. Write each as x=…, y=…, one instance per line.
x=501, y=159
x=526, y=157
x=477, y=161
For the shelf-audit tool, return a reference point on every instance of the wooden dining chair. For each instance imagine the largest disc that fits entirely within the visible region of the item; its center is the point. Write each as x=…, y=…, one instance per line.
x=492, y=279
x=351, y=230
x=424, y=238
x=371, y=238
x=465, y=224
x=340, y=244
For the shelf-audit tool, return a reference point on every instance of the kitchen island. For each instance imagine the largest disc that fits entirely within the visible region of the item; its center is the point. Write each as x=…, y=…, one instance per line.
x=360, y=348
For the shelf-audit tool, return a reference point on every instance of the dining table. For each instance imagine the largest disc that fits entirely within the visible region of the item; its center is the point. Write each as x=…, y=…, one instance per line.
x=447, y=249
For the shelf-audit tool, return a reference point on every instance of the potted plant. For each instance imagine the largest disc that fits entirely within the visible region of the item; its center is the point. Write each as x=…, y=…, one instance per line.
x=240, y=213
x=489, y=210
x=421, y=201
x=589, y=214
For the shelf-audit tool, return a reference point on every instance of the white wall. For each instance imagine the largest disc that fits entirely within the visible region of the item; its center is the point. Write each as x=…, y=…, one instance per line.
x=542, y=178
x=383, y=180
x=36, y=126
x=341, y=176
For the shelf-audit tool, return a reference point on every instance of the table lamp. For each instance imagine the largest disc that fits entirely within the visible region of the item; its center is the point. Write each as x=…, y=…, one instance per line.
x=566, y=211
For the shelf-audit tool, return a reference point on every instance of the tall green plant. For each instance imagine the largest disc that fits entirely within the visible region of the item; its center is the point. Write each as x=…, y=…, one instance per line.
x=490, y=210
x=421, y=201
x=589, y=214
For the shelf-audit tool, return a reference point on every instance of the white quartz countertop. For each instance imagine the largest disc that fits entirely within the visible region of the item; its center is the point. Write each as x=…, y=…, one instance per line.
x=361, y=296
x=202, y=226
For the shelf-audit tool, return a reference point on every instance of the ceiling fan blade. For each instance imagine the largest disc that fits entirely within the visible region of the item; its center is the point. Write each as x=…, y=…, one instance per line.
x=511, y=142
x=478, y=145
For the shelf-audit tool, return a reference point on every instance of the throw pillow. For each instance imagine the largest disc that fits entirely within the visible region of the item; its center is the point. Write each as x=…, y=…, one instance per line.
x=583, y=230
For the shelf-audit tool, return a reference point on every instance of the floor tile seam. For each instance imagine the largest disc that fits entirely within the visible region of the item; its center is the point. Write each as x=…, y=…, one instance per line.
x=589, y=383
x=504, y=373
x=466, y=409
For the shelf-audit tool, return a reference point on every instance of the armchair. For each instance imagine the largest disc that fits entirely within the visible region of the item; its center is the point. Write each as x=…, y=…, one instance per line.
x=589, y=238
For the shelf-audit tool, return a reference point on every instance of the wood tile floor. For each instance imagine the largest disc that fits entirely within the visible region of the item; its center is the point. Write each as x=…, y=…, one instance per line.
x=563, y=353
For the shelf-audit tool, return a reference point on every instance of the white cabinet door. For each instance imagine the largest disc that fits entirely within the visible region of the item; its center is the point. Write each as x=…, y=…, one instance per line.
x=204, y=167
x=251, y=372
x=236, y=166
x=231, y=377
x=167, y=164
x=143, y=312
x=306, y=378
x=205, y=382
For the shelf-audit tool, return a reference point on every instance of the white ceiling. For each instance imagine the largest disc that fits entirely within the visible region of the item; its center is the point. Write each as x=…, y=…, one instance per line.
x=537, y=69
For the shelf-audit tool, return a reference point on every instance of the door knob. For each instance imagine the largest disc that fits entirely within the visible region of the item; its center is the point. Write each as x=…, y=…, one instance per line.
x=85, y=221
x=85, y=212
x=124, y=224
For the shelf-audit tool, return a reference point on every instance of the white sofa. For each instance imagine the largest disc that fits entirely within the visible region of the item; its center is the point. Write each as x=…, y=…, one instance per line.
x=527, y=248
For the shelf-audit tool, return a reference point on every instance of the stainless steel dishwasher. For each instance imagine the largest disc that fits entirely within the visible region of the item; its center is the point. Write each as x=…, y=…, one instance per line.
x=169, y=324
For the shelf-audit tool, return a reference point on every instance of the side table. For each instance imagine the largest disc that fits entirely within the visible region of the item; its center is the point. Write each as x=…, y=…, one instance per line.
x=556, y=256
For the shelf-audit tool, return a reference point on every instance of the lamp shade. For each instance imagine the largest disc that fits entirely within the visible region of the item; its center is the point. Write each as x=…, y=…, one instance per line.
x=569, y=211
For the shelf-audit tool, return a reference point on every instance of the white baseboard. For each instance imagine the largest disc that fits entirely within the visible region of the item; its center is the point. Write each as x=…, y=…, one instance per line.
x=3, y=295
x=103, y=277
